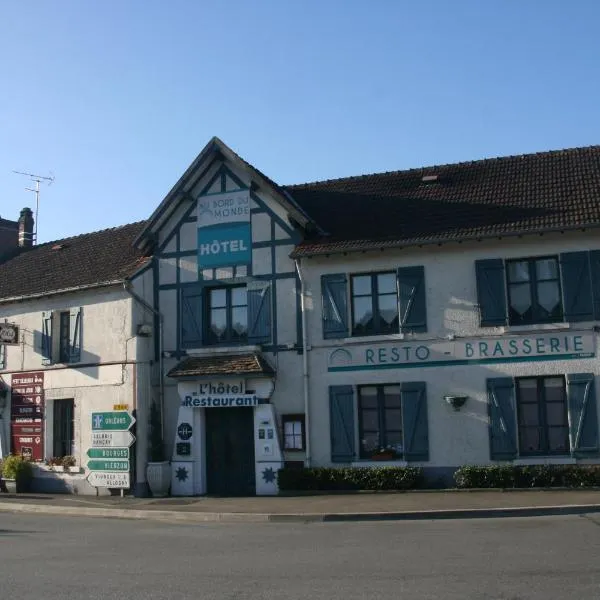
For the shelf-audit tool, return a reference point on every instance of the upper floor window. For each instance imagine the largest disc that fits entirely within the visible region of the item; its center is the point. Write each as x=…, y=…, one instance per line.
x=534, y=291
x=61, y=336
x=227, y=315
x=64, y=352
x=374, y=304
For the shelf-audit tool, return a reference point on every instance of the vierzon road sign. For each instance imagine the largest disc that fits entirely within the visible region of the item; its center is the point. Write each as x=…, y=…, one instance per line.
x=112, y=439
x=108, y=453
x=118, y=420
x=108, y=479
x=108, y=465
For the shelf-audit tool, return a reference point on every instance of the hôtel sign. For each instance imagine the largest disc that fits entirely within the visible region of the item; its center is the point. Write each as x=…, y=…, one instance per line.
x=415, y=354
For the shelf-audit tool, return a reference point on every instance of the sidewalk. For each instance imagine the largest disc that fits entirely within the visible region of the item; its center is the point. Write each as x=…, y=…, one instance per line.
x=334, y=507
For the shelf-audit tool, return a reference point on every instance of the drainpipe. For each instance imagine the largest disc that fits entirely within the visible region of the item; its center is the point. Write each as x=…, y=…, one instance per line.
x=304, y=361
x=161, y=392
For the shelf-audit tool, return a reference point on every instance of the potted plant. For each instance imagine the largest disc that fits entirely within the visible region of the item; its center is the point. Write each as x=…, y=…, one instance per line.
x=158, y=472
x=384, y=454
x=17, y=473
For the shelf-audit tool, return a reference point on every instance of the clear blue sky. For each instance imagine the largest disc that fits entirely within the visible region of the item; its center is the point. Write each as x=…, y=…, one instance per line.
x=117, y=97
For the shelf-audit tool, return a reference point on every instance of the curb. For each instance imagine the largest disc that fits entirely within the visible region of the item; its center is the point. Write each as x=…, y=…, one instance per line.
x=212, y=517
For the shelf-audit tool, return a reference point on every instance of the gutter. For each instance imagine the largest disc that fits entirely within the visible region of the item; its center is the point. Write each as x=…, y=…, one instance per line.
x=157, y=313
x=305, y=374
x=78, y=288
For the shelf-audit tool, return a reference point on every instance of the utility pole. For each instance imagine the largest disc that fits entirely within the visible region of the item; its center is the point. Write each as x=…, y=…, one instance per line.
x=37, y=179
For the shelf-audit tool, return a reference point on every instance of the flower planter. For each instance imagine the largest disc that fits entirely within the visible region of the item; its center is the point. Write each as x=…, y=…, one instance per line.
x=158, y=475
x=8, y=486
x=383, y=456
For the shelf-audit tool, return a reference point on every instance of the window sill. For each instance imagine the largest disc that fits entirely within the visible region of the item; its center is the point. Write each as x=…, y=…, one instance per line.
x=545, y=460
x=532, y=328
x=379, y=463
x=207, y=350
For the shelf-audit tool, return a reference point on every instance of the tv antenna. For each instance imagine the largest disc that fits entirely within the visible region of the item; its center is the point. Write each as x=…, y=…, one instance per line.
x=37, y=179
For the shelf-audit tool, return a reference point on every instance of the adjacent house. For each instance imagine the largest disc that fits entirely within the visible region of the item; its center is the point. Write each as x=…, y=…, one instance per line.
x=437, y=317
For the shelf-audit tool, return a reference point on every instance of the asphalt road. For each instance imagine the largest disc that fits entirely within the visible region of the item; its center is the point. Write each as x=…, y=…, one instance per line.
x=47, y=558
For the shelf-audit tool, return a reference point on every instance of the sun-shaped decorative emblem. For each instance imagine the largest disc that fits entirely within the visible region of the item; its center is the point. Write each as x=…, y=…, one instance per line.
x=269, y=475
x=181, y=474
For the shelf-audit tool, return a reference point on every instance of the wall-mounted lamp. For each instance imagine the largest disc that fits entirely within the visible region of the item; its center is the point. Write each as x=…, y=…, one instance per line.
x=455, y=401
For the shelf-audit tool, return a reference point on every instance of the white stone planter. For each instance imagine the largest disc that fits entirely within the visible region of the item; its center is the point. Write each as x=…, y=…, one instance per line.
x=158, y=475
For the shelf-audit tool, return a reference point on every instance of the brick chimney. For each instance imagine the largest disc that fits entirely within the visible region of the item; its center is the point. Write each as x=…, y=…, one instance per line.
x=26, y=228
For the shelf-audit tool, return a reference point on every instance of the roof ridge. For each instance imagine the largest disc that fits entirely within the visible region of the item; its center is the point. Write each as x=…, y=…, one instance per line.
x=442, y=166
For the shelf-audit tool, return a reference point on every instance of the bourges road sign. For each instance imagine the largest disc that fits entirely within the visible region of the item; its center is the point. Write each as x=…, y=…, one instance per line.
x=122, y=453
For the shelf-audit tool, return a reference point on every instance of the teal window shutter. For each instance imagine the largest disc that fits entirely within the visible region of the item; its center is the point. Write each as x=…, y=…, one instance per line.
x=412, y=303
x=2, y=356
x=334, y=291
x=583, y=415
x=259, y=313
x=595, y=274
x=414, y=419
x=502, y=418
x=578, y=303
x=191, y=316
x=47, y=338
x=75, y=335
x=491, y=291
x=341, y=422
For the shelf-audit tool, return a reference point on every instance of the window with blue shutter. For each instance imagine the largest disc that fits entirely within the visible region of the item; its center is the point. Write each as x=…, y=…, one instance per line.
x=595, y=276
x=259, y=313
x=341, y=423
x=583, y=415
x=334, y=293
x=412, y=299
x=414, y=418
x=191, y=316
x=502, y=418
x=578, y=302
x=46, y=338
x=75, y=335
x=491, y=291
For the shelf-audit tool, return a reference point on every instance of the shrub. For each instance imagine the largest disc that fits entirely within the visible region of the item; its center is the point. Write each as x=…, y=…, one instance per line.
x=531, y=476
x=349, y=478
x=18, y=468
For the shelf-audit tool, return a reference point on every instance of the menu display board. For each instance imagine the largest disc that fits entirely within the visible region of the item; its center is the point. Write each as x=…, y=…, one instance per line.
x=27, y=415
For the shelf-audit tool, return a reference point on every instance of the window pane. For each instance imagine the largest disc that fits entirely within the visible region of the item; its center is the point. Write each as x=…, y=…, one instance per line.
x=393, y=439
x=369, y=420
x=558, y=439
x=368, y=397
x=529, y=415
x=239, y=296
x=361, y=285
x=528, y=390
x=388, y=308
x=362, y=312
x=518, y=271
x=369, y=442
x=546, y=269
x=392, y=396
x=554, y=389
x=520, y=298
x=239, y=321
x=218, y=322
x=218, y=298
x=386, y=283
x=556, y=414
x=549, y=296
x=393, y=418
x=530, y=439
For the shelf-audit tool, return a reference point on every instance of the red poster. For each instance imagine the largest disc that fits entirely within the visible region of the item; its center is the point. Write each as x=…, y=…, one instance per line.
x=27, y=414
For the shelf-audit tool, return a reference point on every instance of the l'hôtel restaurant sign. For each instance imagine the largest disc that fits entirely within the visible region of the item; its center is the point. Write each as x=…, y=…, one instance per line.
x=554, y=346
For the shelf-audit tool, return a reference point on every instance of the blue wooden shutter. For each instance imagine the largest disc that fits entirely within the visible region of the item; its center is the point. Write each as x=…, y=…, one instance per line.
x=412, y=304
x=191, y=316
x=595, y=274
x=491, y=291
x=578, y=304
x=75, y=335
x=583, y=416
x=259, y=313
x=502, y=415
x=414, y=420
x=2, y=356
x=47, y=338
x=341, y=422
x=334, y=292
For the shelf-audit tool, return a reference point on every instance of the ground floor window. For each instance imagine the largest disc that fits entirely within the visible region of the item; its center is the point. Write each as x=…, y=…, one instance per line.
x=380, y=421
x=293, y=432
x=62, y=428
x=542, y=416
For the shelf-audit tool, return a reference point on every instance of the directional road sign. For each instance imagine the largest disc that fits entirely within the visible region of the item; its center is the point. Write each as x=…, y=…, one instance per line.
x=108, y=453
x=108, y=465
x=118, y=420
x=112, y=439
x=109, y=480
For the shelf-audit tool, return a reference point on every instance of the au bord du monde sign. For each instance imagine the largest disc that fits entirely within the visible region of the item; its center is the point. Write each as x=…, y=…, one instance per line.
x=554, y=346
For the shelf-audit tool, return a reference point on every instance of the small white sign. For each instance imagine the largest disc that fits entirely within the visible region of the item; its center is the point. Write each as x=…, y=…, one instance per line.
x=112, y=439
x=109, y=479
x=228, y=207
x=220, y=401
